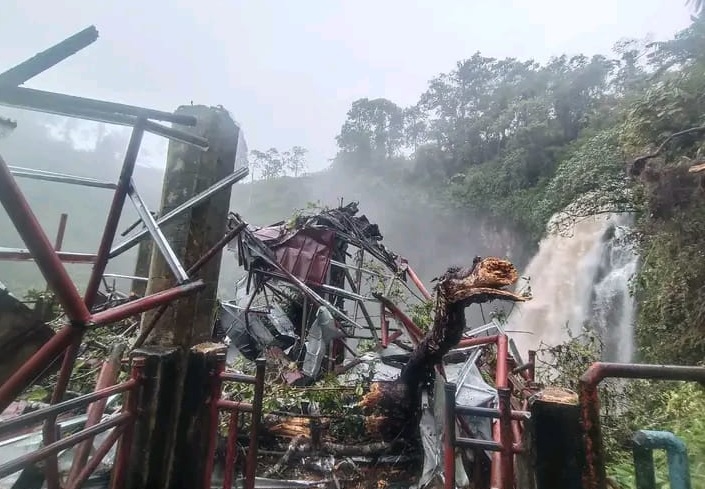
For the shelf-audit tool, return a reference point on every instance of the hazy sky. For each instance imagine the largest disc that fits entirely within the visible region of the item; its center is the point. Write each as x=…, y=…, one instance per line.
x=289, y=70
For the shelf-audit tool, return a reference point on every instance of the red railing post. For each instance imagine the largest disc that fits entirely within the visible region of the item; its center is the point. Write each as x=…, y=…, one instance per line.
x=231, y=450
x=251, y=467
x=125, y=444
x=532, y=365
x=216, y=387
x=594, y=474
x=449, y=437
x=113, y=219
x=506, y=438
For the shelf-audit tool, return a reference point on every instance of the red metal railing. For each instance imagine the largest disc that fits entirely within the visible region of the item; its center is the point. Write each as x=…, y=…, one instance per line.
x=122, y=425
x=505, y=433
x=594, y=475
x=234, y=408
x=77, y=309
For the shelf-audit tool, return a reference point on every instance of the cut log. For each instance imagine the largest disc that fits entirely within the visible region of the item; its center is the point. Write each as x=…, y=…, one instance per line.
x=553, y=441
x=393, y=406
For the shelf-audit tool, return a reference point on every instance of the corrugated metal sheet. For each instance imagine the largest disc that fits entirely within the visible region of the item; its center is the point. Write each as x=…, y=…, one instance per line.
x=307, y=254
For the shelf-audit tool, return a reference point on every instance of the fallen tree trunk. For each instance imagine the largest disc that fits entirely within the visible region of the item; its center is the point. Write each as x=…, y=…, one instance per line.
x=394, y=406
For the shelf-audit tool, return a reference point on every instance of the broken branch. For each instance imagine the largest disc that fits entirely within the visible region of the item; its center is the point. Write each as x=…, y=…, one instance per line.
x=640, y=162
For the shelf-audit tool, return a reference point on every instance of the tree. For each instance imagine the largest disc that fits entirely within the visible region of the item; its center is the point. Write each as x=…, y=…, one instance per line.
x=295, y=160
x=269, y=163
x=372, y=132
x=415, y=127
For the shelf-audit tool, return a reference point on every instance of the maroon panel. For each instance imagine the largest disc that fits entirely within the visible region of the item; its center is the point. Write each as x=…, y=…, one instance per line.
x=307, y=254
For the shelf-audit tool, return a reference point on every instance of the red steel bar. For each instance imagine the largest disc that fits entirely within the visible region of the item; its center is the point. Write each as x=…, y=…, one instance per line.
x=63, y=256
x=193, y=269
x=137, y=306
x=482, y=412
x=100, y=453
x=241, y=378
x=417, y=281
x=481, y=340
x=32, y=458
x=501, y=382
x=231, y=451
x=449, y=438
x=251, y=464
x=59, y=241
x=114, y=213
x=57, y=395
x=42, y=250
x=232, y=406
x=29, y=419
x=216, y=387
x=414, y=332
x=594, y=476
x=506, y=438
x=108, y=376
x=124, y=448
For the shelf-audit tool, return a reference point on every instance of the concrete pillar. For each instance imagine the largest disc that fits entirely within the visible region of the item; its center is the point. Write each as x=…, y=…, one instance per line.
x=172, y=430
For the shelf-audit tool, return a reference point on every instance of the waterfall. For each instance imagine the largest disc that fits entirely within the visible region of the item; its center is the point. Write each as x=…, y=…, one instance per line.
x=580, y=279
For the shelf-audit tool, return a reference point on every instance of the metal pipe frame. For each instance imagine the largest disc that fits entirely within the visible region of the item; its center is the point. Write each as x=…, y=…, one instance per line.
x=108, y=376
x=122, y=424
x=216, y=391
x=416, y=280
x=40, y=247
x=59, y=177
x=216, y=403
x=19, y=254
x=193, y=269
x=111, y=223
x=226, y=182
x=41, y=62
x=231, y=449
x=61, y=104
x=414, y=331
x=124, y=448
x=502, y=446
x=92, y=464
x=157, y=235
x=594, y=475
x=19, y=463
x=29, y=419
x=643, y=444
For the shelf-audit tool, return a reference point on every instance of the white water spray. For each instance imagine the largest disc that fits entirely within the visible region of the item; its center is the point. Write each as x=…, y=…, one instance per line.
x=580, y=279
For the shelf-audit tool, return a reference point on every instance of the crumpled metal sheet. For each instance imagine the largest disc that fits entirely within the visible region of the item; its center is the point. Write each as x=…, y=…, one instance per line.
x=320, y=334
x=431, y=443
x=252, y=337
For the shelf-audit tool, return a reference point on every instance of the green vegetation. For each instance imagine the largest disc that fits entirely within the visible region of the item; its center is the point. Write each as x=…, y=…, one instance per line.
x=631, y=406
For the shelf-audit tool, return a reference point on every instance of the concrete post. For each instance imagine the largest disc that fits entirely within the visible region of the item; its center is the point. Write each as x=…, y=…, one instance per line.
x=144, y=258
x=171, y=432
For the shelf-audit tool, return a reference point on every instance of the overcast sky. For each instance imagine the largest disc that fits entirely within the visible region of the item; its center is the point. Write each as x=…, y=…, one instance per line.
x=289, y=70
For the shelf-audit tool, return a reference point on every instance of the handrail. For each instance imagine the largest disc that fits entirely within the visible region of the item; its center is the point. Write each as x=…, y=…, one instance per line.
x=24, y=420
x=594, y=473
x=17, y=464
x=234, y=408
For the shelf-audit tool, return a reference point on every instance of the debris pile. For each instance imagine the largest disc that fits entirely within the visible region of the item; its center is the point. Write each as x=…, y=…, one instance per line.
x=355, y=386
